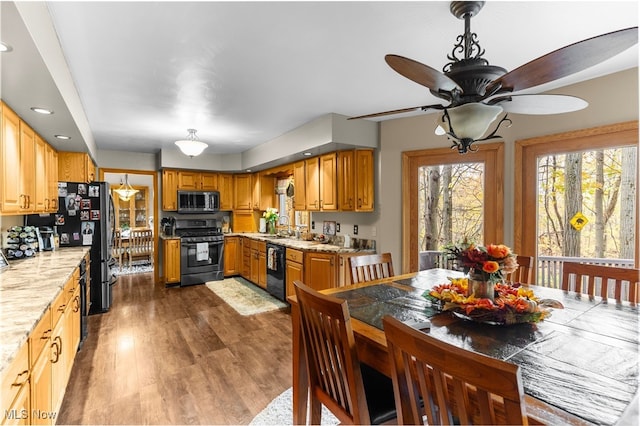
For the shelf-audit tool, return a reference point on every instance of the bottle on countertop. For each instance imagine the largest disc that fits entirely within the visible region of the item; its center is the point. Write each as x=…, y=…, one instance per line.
x=56, y=238
x=347, y=241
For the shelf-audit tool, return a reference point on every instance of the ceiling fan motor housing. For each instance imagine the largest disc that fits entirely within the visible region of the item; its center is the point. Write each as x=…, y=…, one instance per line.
x=473, y=76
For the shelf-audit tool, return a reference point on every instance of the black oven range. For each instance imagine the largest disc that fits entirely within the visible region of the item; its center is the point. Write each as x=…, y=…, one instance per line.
x=201, y=251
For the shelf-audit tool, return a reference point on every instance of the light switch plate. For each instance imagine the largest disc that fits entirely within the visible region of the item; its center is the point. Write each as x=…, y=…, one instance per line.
x=337, y=227
x=355, y=229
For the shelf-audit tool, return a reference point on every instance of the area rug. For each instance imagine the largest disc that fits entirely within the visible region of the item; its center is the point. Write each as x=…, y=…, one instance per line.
x=245, y=297
x=133, y=269
x=279, y=412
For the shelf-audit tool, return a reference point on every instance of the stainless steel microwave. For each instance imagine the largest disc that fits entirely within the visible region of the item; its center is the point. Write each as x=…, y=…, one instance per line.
x=198, y=201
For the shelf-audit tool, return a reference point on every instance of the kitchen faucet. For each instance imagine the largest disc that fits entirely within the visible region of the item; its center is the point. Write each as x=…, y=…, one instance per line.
x=288, y=223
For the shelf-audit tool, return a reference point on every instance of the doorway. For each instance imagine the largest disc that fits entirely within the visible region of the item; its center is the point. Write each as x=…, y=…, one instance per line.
x=141, y=210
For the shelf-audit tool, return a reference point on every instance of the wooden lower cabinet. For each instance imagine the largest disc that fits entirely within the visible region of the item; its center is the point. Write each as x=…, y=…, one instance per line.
x=171, y=249
x=40, y=364
x=320, y=270
x=259, y=263
x=15, y=390
x=232, y=256
x=294, y=269
x=246, y=259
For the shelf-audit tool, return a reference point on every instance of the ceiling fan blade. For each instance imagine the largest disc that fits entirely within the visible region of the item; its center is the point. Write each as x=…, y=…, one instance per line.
x=399, y=111
x=539, y=104
x=566, y=60
x=421, y=73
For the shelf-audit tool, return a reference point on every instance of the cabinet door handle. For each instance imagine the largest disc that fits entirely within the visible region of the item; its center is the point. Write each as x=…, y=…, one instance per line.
x=61, y=308
x=45, y=335
x=76, y=305
x=18, y=382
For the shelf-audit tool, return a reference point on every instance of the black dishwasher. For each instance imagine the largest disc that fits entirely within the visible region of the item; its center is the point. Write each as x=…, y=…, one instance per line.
x=276, y=285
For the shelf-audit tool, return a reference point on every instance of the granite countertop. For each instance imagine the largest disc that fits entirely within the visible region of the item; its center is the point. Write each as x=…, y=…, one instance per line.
x=299, y=244
x=27, y=288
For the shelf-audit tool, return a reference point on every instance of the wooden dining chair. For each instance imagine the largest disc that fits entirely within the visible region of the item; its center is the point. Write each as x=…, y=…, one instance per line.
x=118, y=251
x=447, y=384
x=370, y=267
x=524, y=273
x=140, y=245
x=355, y=393
x=604, y=281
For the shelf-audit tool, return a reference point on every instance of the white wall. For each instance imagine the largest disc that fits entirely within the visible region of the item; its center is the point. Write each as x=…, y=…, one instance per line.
x=612, y=99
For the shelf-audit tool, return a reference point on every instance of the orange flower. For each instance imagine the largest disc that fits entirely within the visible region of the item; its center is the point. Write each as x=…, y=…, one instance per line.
x=498, y=251
x=490, y=266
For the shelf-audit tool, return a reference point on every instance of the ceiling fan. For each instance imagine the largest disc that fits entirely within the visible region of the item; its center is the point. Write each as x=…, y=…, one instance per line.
x=477, y=93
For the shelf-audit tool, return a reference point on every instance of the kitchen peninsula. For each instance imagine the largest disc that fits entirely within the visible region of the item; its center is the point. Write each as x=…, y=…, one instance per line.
x=46, y=310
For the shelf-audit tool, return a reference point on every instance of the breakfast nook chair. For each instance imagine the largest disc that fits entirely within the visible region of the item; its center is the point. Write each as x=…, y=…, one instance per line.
x=118, y=250
x=621, y=283
x=370, y=267
x=355, y=393
x=447, y=384
x=141, y=245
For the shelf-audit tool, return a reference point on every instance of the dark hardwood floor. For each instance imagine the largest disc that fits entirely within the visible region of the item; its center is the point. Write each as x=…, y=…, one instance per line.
x=176, y=356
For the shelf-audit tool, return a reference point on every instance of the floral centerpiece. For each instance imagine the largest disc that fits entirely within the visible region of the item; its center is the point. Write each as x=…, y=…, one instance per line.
x=513, y=303
x=486, y=266
x=271, y=216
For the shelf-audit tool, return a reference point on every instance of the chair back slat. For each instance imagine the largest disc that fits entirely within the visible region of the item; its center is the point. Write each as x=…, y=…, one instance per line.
x=447, y=384
x=604, y=281
x=524, y=273
x=334, y=369
x=370, y=267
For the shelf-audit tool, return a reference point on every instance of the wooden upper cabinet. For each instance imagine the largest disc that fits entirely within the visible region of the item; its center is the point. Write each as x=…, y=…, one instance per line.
x=75, y=167
x=27, y=166
x=312, y=184
x=364, y=180
x=346, y=188
x=11, y=197
x=299, y=198
x=195, y=181
x=355, y=180
x=320, y=183
x=243, y=192
x=41, y=187
x=225, y=186
x=188, y=180
x=51, y=162
x=264, y=190
x=169, y=190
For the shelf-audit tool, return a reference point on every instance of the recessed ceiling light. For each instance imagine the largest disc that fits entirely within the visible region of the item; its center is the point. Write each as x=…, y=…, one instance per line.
x=40, y=110
x=63, y=137
x=248, y=170
x=306, y=154
x=4, y=47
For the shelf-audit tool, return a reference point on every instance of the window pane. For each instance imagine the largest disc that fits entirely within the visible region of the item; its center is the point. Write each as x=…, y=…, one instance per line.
x=450, y=203
x=586, y=204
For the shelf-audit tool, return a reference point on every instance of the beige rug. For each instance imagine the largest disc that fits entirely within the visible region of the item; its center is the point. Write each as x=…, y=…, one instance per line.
x=279, y=412
x=245, y=297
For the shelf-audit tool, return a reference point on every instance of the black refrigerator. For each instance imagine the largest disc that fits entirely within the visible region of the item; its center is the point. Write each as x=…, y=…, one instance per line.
x=86, y=218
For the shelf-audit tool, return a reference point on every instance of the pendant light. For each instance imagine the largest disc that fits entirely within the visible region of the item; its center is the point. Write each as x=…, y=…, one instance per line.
x=191, y=146
x=126, y=191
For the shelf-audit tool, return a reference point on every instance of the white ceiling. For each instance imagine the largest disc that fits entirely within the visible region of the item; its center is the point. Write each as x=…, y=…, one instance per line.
x=243, y=73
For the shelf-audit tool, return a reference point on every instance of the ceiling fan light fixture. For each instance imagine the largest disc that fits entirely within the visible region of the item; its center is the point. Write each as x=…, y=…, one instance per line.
x=191, y=146
x=471, y=121
x=125, y=191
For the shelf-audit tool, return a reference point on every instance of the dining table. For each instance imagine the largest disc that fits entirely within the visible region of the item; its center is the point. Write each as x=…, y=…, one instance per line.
x=579, y=365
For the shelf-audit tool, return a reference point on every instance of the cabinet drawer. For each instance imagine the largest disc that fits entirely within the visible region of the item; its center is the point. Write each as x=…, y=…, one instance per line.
x=15, y=377
x=70, y=286
x=294, y=255
x=40, y=336
x=57, y=307
x=258, y=245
